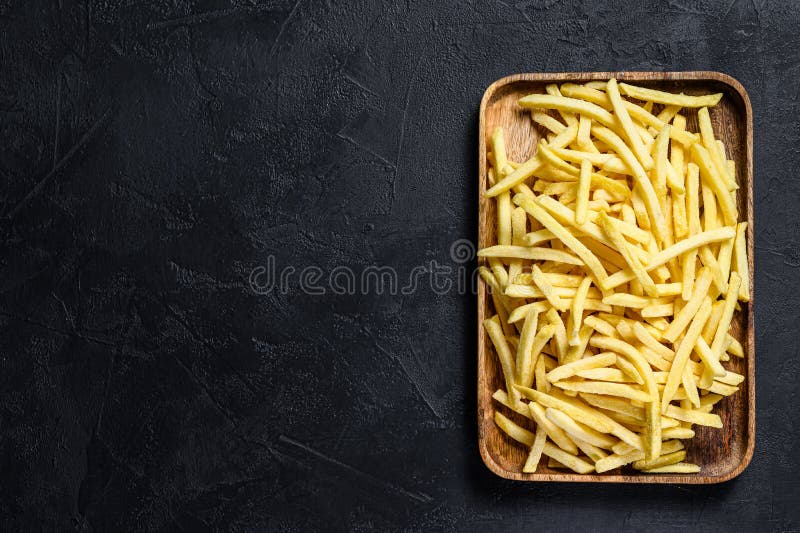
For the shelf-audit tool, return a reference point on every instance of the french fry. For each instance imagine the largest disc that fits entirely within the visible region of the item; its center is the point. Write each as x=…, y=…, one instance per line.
x=516, y=432
x=677, y=468
x=582, y=203
x=740, y=264
x=535, y=454
x=661, y=97
x=578, y=304
x=727, y=314
x=570, y=461
x=495, y=331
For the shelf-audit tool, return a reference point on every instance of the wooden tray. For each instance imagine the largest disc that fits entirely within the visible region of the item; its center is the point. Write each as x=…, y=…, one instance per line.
x=721, y=453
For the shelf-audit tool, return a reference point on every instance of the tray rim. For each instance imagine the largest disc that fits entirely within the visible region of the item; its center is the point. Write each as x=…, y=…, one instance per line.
x=739, y=89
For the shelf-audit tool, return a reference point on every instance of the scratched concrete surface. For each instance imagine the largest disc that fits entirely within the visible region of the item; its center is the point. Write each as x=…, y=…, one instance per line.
x=152, y=156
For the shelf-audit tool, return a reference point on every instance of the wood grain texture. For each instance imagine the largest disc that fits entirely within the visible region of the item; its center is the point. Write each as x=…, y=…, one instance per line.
x=721, y=453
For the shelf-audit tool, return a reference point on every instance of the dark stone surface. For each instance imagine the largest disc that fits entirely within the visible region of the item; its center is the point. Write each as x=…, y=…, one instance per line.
x=146, y=386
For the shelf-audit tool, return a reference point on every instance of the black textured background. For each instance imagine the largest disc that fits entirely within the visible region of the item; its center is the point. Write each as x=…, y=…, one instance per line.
x=152, y=154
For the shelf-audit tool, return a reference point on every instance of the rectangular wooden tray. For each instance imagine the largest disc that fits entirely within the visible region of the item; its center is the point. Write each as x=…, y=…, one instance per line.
x=721, y=453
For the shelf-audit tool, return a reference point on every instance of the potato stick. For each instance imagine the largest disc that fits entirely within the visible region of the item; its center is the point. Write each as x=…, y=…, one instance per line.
x=695, y=417
x=740, y=264
x=537, y=237
x=572, y=105
x=677, y=468
x=628, y=129
x=515, y=290
x=556, y=188
x=570, y=461
x=677, y=249
x=735, y=347
x=730, y=378
x=527, y=252
x=644, y=336
x=660, y=156
x=710, y=144
x=630, y=300
x=501, y=397
x=577, y=430
x=495, y=332
x=570, y=369
x=713, y=321
x=724, y=258
x=499, y=149
x=577, y=307
x=722, y=388
x=652, y=311
x=670, y=99
x=628, y=368
x=687, y=380
x=683, y=352
x=537, y=212
x=668, y=113
x=582, y=203
x=624, y=249
x=709, y=175
x=519, y=224
x=535, y=453
x=640, y=178
x=639, y=209
x=504, y=218
x=516, y=432
x=570, y=281
x=539, y=375
x=600, y=326
x=662, y=461
x=555, y=433
x=682, y=319
x=547, y=122
x=615, y=461
x=606, y=374
x=547, y=290
x=560, y=334
x=611, y=389
x=530, y=356
x=677, y=433
x=727, y=314
x=526, y=339
x=709, y=208
x=583, y=139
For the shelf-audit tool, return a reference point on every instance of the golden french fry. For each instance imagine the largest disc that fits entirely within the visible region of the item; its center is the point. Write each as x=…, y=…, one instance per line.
x=661, y=97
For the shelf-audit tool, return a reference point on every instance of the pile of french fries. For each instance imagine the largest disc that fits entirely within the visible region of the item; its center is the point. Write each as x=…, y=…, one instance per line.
x=620, y=261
